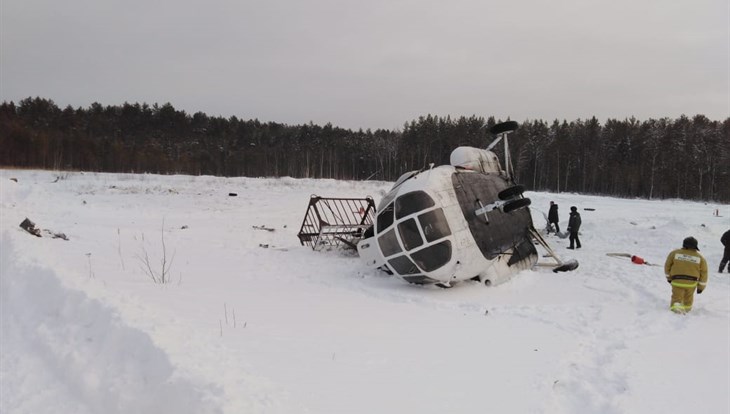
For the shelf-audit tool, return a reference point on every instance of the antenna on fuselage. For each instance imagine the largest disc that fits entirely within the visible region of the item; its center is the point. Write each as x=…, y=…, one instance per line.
x=502, y=130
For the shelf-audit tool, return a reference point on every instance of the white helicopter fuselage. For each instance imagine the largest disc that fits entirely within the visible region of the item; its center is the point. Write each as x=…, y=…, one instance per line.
x=448, y=224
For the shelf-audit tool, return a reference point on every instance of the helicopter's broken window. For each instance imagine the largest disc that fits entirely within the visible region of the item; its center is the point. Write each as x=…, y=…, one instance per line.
x=434, y=225
x=403, y=266
x=412, y=202
x=409, y=234
x=389, y=243
x=433, y=257
x=385, y=218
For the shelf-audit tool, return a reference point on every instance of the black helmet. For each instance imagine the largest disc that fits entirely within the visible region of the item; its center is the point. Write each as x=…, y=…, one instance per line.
x=690, y=243
x=573, y=208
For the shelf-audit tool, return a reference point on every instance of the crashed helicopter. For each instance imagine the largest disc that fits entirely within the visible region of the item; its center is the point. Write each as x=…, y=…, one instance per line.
x=441, y=225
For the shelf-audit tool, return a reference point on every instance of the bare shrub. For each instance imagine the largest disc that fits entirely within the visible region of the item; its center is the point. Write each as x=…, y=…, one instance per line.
x=157, y=270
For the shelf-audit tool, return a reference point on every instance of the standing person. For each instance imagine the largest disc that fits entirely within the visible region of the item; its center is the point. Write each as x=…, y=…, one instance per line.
x=553, y=216
x=725, y=239
x=686, y=270
x=574, y=223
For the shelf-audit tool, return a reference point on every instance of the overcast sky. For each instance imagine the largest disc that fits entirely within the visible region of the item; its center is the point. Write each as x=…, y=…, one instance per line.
x=374, y=63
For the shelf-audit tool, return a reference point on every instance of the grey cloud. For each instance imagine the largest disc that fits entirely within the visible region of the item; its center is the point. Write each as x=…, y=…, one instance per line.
x=373, y=64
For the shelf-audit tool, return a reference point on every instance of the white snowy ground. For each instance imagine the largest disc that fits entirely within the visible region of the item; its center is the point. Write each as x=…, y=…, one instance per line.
x=284, y=329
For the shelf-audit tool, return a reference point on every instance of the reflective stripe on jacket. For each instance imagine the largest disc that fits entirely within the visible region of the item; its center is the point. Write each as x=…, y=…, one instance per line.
x=684, y=281
x=686, y=268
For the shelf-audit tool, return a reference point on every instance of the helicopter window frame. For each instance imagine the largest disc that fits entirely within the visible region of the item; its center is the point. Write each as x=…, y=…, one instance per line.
x=434, y=225
x=434, y=256
x=410, y=234
x=419, y=279
x=403, y=265
x=389, y=244
x=386, y=218
x=412, y=202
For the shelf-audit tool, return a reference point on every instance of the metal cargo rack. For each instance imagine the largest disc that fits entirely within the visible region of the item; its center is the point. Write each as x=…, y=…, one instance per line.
x=336, y=222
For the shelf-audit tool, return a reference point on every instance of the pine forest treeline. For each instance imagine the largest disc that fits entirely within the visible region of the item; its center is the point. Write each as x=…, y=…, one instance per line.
x=686, y=158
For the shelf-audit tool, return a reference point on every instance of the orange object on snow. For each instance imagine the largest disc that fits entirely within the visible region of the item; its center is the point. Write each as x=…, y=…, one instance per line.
x=637, y=260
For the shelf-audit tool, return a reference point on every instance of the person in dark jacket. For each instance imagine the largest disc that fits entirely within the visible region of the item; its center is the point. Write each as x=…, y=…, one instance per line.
x=725, y=239
x=553, y=217
x=574, y=223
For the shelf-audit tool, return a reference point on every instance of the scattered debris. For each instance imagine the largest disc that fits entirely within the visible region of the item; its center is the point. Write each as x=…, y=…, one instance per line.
x=13, y=179
x=184, y=227
x=29, y=226
x=638, y=260
x=618, y=254
x=232, y=194
x=262, y=228
x=55, y=235
x=589, y=209
x=652, y=264
x=634, y=259
x=265, y=246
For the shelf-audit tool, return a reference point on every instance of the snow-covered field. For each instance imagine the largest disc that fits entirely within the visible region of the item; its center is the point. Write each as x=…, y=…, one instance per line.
x=246, y=329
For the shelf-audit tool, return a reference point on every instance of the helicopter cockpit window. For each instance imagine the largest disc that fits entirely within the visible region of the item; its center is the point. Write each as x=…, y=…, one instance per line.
x=412, y=202
x=403, y=266
x=434, y=225
x=433, y=257
x=389, y=243
x=385, y=218
x=409, y=234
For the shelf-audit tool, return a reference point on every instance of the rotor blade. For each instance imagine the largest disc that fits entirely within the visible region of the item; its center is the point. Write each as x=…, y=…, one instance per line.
x=504, y=127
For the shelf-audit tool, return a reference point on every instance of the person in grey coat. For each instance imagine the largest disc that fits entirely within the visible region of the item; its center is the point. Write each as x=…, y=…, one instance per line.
x=574, y=223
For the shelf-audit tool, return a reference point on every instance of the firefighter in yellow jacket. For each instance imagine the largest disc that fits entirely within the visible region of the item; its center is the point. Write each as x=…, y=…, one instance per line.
x=686, y=270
